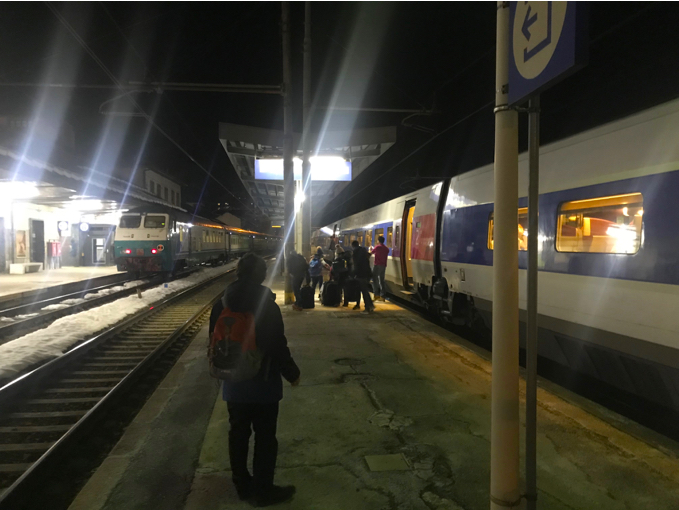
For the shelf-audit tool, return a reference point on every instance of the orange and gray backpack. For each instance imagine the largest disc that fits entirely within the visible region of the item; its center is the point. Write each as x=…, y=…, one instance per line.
x=233, y=353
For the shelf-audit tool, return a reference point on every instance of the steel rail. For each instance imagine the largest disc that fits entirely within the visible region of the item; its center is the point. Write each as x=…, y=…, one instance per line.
x=33, y=477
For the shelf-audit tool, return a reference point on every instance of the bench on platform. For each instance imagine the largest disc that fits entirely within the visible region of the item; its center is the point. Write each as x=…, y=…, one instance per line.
x=27, y=267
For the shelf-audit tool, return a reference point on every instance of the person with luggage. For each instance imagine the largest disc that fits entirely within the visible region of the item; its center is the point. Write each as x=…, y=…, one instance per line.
x=253, y=403
x=381, y=253
x=341, y=271
x=299, y=271
x=316, y=266
x=361, y=261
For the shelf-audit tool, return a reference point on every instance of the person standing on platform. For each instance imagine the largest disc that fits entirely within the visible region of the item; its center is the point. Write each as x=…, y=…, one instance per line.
x=381, y=253
x=316, y=265
x=361, y=259
x=341, y=268
x=299, y=271
x=253, y=404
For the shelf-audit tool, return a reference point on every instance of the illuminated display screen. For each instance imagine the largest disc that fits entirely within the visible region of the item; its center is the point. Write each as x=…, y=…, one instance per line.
x=323, y=168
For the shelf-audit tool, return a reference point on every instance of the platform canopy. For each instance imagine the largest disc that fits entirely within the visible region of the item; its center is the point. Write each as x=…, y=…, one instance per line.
x=246, y=144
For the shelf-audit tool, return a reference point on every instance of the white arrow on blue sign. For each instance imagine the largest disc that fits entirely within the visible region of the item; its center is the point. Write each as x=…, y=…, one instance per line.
x=547, y=42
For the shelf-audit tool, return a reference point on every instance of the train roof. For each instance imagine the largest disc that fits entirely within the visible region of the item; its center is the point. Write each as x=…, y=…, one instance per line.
x=192, y=218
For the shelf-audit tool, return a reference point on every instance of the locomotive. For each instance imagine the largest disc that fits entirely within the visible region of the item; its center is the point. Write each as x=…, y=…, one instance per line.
x=162, y=239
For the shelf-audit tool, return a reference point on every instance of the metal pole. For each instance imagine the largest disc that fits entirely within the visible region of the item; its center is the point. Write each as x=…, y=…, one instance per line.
x=306, y=114
x=532, y=318
x=288, y=173
x=504, y=445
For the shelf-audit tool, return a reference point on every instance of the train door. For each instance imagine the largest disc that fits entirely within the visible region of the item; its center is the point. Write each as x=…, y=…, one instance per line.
x=406, y=240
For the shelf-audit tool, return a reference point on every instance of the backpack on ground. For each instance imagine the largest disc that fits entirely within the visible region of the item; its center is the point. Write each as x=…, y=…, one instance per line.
x=233, y=355
x=315, y=267
x=331, y=294
x=307, y=297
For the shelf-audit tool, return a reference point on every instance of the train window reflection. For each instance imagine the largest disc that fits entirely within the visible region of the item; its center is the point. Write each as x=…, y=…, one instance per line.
x=522, y=232
x=130, y=221
x=601, y=225
x=154, y=222
x=390, y=236
x=368, y=238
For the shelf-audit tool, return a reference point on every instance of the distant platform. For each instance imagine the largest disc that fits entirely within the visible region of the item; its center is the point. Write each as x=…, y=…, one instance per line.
x=21, y=283
x=392, y=412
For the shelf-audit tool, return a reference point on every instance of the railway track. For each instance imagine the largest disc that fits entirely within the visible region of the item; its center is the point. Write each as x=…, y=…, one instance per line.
x=25, y=318
x=47, y=412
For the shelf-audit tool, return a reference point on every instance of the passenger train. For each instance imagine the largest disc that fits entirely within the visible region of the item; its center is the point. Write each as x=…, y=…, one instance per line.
x=162, y=239
x=608, y=246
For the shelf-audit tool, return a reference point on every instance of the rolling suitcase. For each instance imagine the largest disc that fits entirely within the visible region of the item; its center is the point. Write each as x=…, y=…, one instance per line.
x=352, y=290
x=331, y=294
x=307, y=297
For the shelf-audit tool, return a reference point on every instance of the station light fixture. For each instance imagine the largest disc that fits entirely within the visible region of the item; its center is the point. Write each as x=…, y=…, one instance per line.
x=18, y=190
x=84, y=227
x=63, y=226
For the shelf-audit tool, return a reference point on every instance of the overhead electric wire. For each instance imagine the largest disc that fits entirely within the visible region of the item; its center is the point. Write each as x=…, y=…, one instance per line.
x=409, y=155
x=148, y=118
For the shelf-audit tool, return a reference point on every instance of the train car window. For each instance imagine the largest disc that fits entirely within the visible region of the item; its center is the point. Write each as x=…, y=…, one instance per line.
x=360, y=239
x=154, y=222
x=601, y=225
x=166, y=195
x=346, y=240
x=368, y=238
x=397, y=236
x=390, y=236
x=522, y=233
x=378, y=232
x=152, y=187
x=172, y=196
x=130, y=221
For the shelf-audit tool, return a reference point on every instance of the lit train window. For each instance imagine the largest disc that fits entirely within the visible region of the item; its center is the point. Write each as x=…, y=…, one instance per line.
x=154, y=222
x=522, y=234
x=346, y=240
x=390, y=236
x=601, y=225
x=378, y=232
x=360, y=239
x=130, y=221
x=397, y=236
x=368, y=237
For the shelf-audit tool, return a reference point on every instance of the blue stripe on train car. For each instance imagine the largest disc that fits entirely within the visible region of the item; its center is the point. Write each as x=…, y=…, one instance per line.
x=465, y=233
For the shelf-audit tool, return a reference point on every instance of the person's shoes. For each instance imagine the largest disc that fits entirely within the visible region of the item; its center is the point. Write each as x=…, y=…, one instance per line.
x=357, y=307
x=346, y=304
x=368, y=311
x=275, y=495
x=244, y=489
x=297, y=308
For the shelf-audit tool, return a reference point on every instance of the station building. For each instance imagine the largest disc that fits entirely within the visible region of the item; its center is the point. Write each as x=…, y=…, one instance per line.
x=57, y=213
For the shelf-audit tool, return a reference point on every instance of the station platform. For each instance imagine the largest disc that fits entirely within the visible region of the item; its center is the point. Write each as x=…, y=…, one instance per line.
x=392, y=413
x=16, y=284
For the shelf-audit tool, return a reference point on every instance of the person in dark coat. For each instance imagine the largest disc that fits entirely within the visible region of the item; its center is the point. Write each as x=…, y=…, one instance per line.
x=299, y=271
x=361, y=260
x=253, y=404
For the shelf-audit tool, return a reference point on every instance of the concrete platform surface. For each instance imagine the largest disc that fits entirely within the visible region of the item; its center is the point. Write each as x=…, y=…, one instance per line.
x=390, y=385
x=18, y=283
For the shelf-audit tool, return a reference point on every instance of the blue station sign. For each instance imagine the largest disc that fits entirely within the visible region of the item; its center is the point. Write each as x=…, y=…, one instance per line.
x=547, y=42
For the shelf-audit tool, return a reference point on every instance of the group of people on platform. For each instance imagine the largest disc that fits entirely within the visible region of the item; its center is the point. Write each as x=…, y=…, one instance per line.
x=350, y=274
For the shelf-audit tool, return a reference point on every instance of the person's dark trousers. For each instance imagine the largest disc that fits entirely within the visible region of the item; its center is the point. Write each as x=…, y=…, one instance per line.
x=365, y=290
x=342, y=282
x=317, y=280
x=378, y=281
x=297, y=288
x=262, y=418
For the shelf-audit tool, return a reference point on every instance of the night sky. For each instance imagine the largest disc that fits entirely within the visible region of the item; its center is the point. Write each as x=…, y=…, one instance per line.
x=390, y=55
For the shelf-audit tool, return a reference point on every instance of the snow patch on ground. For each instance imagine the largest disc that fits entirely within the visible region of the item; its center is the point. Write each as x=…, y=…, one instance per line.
x=62, y=334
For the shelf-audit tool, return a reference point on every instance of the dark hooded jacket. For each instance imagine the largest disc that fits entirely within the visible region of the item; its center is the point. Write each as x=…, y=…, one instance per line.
x=267, y=387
